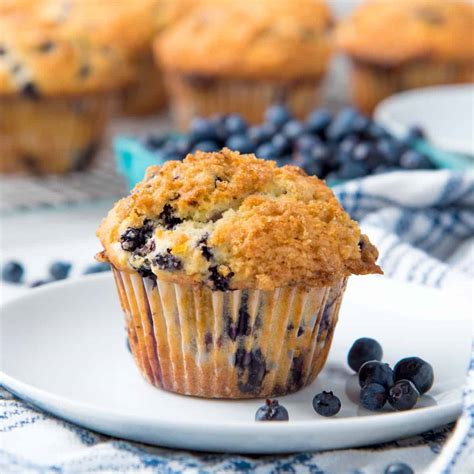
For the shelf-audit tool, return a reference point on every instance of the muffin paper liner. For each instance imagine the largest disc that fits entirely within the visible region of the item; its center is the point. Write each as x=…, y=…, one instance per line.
x=191, y=96
x=146, y=94
x=51, y=135
x=371, y=83
x=250, y=343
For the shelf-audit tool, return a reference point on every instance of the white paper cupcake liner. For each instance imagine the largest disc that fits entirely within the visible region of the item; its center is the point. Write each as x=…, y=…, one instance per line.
x=191, y=340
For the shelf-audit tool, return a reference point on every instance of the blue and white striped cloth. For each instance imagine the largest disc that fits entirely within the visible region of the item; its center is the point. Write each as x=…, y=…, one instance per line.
x=423, y=225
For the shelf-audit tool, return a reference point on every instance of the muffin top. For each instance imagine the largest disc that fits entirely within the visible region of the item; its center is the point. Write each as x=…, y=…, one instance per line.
x=393, y=32
x=268, y=39
x=40, y=59
x=234, y=221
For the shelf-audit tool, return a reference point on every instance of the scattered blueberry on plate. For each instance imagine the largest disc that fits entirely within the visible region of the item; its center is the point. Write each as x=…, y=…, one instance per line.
x=403, y=395
x=363, y=350
x=326, y=404
x=12, y=272
x=60, y=270
x=373, y=396
x=374, y=371
x=401, y=387
x=399, y=468
x=272, y=411
x=417, y=371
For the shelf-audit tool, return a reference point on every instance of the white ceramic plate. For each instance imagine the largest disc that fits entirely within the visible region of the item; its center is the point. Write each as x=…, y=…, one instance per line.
x=446, y=113
x=63, y=349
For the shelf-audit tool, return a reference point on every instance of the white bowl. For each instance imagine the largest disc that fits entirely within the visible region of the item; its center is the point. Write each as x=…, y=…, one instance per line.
x=445, y=113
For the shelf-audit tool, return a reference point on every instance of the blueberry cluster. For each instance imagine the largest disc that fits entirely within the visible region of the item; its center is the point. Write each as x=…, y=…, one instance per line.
x=14, y=272
x=343, y=146
x=401, y=386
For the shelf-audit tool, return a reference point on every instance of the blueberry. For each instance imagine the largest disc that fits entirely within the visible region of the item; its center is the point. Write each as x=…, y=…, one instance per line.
x=388, y=150
x=135, y=237
x=202, y=129
x=374, y=371
x=293, y=129
x=373, y=396
x=363, y=350
x=348, y=144
x=266, y=151
x=261, y=133
x=417, y=371
x=167, y=261
x=37, y=283
x=285, y=160
x=414, y=133
x=376, y=131
x=207, y=146
x=235, y=124
x=362, y=151
x=403, y=395
x=360, y=124
x=281, y=144
x=352, y=170
x=326, y=404
x=341, y=124
x=30, y=91
x=411, y=159
x=240, y=142
x=12, y=272
x=220, y=281
x=318, y=120
x=221, y=133
x=399, y=468
x=305, y=143
x=183, y=146
x=272, y=411
x=60, y=270
x=305, y=161
x=167, y=218
x=154, y=142
x=277, y=115
x=97, y=268
x=320, y=153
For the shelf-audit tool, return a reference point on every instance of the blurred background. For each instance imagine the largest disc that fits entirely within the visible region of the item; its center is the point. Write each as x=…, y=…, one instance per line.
x=92, y=92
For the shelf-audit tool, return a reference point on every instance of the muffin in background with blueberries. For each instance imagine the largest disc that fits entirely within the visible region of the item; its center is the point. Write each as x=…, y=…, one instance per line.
x=130, y=26
x=230, y=272
x=405, y=44
x=239, y=57
x=56, y=95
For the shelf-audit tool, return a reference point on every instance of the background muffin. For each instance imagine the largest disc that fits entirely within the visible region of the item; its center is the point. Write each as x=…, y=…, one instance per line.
x=55, y=95
x=231, y=272
x=406, y=44
x=129, y=26
x=242, y=56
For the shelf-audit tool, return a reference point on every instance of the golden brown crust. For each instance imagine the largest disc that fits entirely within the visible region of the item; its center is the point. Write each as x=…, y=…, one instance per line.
x=286, y=39
x=55, y=60
x=393, y=32
x=234, y=221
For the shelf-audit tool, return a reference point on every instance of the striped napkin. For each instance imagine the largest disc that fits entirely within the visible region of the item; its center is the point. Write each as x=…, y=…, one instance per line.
x=423, y=224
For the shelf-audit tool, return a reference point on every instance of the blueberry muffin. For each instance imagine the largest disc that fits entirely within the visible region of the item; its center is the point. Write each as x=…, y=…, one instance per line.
x=230, y=272
x=56, y=93
x=242, y=56
x=404, y=44
x=129, y=26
